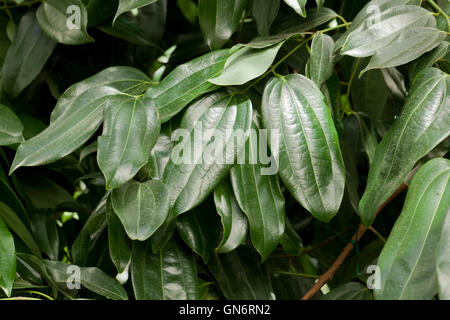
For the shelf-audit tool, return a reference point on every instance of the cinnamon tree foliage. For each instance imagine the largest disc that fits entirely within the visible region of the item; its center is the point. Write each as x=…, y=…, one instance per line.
x=107, y=109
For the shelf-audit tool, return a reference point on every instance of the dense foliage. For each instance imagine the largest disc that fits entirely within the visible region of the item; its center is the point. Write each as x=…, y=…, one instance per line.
x=210, y=149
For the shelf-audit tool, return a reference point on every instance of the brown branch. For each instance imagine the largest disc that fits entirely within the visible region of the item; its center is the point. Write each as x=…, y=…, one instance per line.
x=328, y=275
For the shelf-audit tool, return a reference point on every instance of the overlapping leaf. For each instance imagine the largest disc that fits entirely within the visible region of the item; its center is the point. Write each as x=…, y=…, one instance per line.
x=10, y=127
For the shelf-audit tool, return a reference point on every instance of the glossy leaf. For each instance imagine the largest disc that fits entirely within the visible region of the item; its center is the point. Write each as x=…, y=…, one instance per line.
x=321, y=64
x=141, y=207
x=191, y=177
x=443, y=261
x=408, y=260
x=128, y=5
x=7, y=259
x=298, y=6
x=130, y=130
x=421, y=126
x=119, y=246
x=160, y=154
x=185, y=83
x=428, y=59
x=64, y=20
x=264, y=12
x=26, y=56
x=219, y=19
x=246, y=64
x=296, y=25
x=10, y=127
x=241, y=276
x=309, y=158
x=168, y=275
x=234, y=222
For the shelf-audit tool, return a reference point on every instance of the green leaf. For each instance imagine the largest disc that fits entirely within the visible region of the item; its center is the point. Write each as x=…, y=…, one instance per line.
x=298, y=6
x=119, y=246
x=385, y=29
x=55, y=17
x=130, y=130
x=26, y=56
x=160, y=154
x=45, y=232
x=241, y=276
x=91, y=278
x=295, y=25
x=168, y=275
x=200, y=229
x=141, y=207
x=443, y=260
x=186, y=82
x=421, y=126
x=319, y=4
x=309, y=158
x=407, y=263
x=7, y=259
x=415, y=42
x=190, y=177
x=10, y=127
x=14, y=223
x=234, y=222
x=290, y=241
x=128, y=5
x=219, y=19
x=264, y=12
x=259, y=196
x=428, y=59
x=321, y=64
x=349, y=291
x=246, y=64
x=67, y=132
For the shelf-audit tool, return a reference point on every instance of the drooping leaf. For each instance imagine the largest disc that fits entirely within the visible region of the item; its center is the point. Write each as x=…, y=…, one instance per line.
x=26, y=56
x=119, y=246
x=259, y=195
x=407, y=264
x=349, y=291
x=428, y=59
x=128, y=5
x=64, y=20
x=240, y=275
x=298, y=6
x=7, y=259
x=321, y=63
x=191, y=176
x=160, y=154
x=443, y=260
x=185, y=83
x=421, y=126
x=234, y=222
x=246, y=64
x=308, y=154
x=264, y=12
x=66, y=133
x=219, y=19
x=141, y=207
x=296, y=25
x=168, y=275
x=290, y=241
x=10, y=127
x=130, y=130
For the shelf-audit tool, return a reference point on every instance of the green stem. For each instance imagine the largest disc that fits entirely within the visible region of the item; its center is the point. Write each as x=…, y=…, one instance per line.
x=296, y=274
x=441, y=12
x=352, y=77
x=336, y=27
x=375, y=232
x=40, y=294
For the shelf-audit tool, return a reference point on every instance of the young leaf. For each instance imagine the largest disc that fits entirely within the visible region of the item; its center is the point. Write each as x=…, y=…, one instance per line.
x=7, y=259
x=264, y=12
x=421, y=126
x=185, y=83
x=128, y=5
x=298, y=6
x=408, y=260
x=191, y=177
x=66, y=133
x=130, y=130
x=234, y=222
x=259, y=196
x=168, y=275
x=219, y=19
x=246, y=64
x=26, y=56
x=10, y=127
x=309, y=158
x=321, y=63
x=53, y=17
x=443, y=260
x=141, y=207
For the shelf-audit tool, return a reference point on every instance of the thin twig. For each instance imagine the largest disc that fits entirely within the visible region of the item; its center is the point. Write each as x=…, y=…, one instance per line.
x=328, y=275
